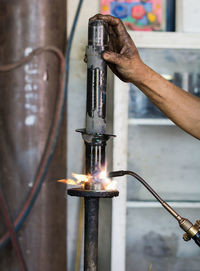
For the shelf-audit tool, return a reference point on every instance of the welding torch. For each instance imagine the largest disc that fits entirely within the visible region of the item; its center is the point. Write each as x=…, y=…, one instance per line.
x=192, y=231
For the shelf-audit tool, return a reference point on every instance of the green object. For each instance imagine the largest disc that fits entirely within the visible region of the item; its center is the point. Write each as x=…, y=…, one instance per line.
x=130, y=19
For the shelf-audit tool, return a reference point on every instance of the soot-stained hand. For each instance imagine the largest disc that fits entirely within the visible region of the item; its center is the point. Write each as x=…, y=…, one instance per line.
x=122, y=57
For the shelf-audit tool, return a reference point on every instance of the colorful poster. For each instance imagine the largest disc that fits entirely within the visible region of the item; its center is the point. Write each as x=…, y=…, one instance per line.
x=138, y=15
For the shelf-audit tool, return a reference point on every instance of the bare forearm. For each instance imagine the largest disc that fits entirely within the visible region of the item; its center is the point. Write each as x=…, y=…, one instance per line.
x=180, y=106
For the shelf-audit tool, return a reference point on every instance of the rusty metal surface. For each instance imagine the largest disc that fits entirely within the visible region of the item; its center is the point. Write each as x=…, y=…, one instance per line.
x=27, y=103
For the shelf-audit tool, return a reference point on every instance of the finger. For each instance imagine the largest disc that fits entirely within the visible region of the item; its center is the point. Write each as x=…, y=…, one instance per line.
x=123, y=50
x=116, y=27
x=112, y=40
x=107, y=18
x=112, y=57
x=113, y=21
x=115, y=71
x=95, y=17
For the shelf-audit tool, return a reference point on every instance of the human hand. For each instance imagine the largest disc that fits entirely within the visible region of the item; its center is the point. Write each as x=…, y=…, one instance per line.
x=123, y=57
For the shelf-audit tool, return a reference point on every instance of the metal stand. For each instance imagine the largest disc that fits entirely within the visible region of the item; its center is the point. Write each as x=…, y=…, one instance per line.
x=95, y=139
x=91, y=223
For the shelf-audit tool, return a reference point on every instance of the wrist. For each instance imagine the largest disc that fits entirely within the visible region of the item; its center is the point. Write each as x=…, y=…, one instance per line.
x=139, y=72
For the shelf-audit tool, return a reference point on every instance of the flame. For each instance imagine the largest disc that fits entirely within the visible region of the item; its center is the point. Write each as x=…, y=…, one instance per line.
x=68, y=181
x=108, y=184
x=81, y=179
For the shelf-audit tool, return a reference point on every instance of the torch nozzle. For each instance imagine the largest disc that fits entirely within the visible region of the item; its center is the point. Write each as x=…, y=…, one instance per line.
x=114, y=174
x=192, y=231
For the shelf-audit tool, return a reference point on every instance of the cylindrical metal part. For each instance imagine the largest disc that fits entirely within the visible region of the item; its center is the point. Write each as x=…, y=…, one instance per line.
x=96, y=128
x=96, y=100
x=171, y=210
x=97, y=34
x=94, y=135
x=95, y=162
x=96, y=78
x=95, y=158
x=185, y=224
x=27, y=104
x=91, y=234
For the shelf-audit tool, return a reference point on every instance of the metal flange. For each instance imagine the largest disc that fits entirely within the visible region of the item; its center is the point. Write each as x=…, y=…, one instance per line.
x=94, y=139
x=79, y=192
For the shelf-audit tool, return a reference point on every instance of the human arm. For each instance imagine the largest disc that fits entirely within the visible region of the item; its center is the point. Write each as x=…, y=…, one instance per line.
x=123, y=58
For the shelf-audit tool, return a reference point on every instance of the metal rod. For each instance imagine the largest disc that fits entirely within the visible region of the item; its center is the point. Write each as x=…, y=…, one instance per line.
x=91, y=234
x=95, y=140
x=95, y=128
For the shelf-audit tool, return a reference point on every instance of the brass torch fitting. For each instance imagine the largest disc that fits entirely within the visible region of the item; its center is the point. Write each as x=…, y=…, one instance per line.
x=190, y=229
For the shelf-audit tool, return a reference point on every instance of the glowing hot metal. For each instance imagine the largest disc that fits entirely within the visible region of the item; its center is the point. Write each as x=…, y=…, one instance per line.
x=80, y=180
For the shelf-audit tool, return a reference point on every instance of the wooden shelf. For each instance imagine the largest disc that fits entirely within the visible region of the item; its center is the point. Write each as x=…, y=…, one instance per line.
x=164, y=122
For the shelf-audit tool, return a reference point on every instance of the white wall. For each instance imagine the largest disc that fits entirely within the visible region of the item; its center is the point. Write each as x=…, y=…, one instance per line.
x=187, y=16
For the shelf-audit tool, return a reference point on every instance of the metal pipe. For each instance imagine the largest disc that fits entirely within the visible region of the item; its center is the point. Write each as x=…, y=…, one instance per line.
x=91, y=234
x=95, y=125
x=95, y=140
x=96, y=78
x=96, y=100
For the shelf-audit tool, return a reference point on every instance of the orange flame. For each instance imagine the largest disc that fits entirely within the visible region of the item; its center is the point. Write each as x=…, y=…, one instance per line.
x=81, y=179
x=68, y=181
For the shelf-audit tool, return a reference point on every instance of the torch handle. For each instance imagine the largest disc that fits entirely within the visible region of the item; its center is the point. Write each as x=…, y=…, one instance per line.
x=196, y=238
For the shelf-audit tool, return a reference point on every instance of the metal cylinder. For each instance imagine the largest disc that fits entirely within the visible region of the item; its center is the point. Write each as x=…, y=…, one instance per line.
x=96, y=78
x=91, y=234
x=95, y=158
x=96, y=101
x=94, y=135
x=27, y=104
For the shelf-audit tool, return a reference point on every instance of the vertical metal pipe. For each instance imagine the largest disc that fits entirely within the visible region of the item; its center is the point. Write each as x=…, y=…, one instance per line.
x=91, y=234
x=96, y=96
x=95, y=126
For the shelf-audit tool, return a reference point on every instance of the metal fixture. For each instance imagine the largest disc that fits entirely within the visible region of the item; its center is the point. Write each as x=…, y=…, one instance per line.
x=192, y=231
x=95, y=139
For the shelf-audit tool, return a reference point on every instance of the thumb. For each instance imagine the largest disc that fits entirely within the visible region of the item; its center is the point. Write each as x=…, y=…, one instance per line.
x=112, y=57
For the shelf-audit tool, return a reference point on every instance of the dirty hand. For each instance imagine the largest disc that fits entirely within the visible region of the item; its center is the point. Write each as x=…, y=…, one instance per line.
x=123, y=57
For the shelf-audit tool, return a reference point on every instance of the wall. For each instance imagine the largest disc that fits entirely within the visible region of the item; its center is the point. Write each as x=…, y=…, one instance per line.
x=187, y=14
